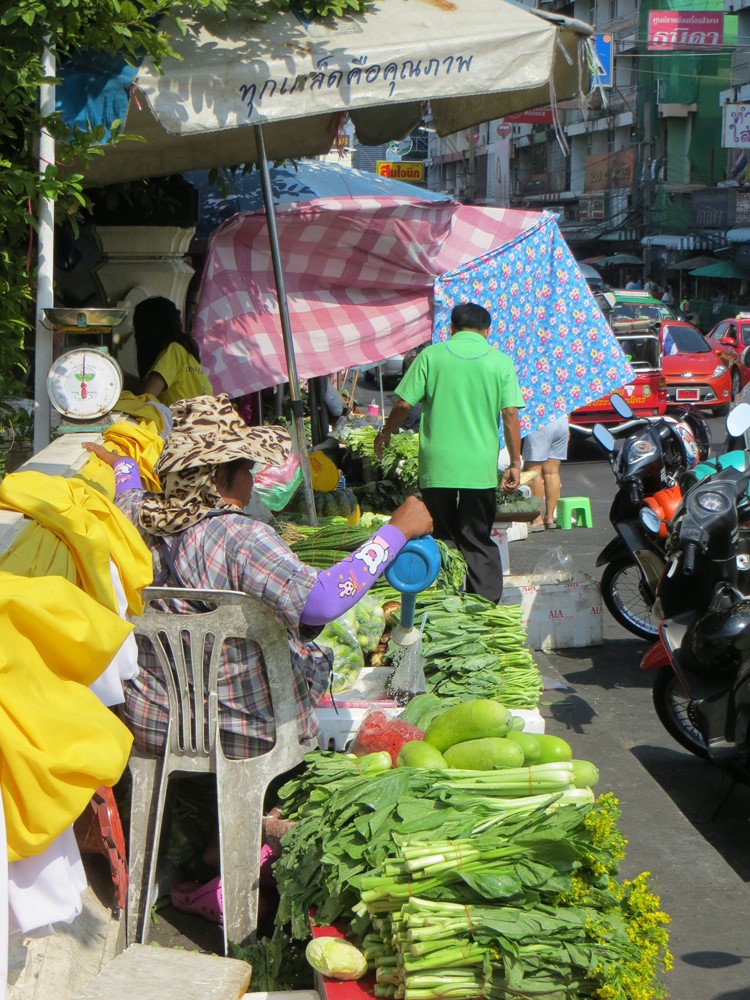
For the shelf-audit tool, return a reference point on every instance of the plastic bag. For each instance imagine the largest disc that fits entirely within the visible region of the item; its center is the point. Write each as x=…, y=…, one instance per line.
x=378, y=732
x=352, y=637
x=275, y=485
x=370, y=621
x=555, y=566
x=348, y=659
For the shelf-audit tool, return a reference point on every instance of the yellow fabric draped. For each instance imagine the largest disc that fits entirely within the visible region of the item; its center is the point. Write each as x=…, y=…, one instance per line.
x=141, y=408
x=140, y=442
x=58, y=743
x=76, y=531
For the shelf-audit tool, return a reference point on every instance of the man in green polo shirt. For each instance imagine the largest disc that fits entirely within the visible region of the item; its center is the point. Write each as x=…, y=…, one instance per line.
x=465, y=387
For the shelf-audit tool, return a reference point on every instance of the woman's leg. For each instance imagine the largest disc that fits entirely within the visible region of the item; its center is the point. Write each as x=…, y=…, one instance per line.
x=536, y=488
x=551, y=488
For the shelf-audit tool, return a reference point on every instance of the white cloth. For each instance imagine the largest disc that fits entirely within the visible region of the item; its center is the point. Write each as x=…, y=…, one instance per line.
x=46, y=888
x=124, y=667
x=3, y=904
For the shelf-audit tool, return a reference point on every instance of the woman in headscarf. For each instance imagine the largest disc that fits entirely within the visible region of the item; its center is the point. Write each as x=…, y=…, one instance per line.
x=199, y=537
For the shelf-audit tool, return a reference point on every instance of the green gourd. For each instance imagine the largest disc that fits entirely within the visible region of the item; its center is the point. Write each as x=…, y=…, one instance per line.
x=554, y=749
x=417, y=753
x=484, y=755
x=471, y=720
x=529, y=743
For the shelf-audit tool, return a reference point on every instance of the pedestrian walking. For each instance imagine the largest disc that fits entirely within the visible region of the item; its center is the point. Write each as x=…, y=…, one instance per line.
x=543, y=451
x=466, y=388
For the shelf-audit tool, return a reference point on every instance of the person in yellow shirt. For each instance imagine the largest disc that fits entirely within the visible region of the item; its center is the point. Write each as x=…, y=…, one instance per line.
x=169, y=362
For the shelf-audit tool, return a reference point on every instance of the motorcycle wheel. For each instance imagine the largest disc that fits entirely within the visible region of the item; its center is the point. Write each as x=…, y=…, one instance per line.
x=627, y=598
x=674, y=709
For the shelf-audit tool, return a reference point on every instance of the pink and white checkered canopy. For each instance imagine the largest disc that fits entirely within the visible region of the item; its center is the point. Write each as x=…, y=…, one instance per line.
x=359, y=274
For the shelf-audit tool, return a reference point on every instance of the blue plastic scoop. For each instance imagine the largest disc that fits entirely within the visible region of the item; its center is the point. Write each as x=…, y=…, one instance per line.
x=413, y=570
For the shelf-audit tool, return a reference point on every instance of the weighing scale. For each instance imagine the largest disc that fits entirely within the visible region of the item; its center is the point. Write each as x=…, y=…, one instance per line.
x=84, y=382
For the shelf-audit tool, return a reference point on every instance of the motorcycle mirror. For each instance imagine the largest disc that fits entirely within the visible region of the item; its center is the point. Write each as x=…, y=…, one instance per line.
x=604, y=438
x=738, y=420
x=650, y=520
x=620, y=407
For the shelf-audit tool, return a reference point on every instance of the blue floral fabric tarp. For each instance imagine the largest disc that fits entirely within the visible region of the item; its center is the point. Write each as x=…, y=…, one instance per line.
x=543, y=317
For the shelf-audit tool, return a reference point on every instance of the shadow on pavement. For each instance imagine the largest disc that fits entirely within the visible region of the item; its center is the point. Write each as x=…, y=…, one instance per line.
x=716, y=805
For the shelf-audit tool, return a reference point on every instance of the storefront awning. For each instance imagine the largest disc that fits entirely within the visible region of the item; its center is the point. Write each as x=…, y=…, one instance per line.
x=739, y=235
x=688, y=241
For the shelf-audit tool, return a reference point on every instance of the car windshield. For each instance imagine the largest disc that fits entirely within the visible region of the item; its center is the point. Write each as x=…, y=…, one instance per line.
x=641, y=352
x=745, y=328
x=651, y=311
x=686, y=340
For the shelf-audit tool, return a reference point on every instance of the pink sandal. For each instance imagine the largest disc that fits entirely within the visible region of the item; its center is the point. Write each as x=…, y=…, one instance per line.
x=204, y=900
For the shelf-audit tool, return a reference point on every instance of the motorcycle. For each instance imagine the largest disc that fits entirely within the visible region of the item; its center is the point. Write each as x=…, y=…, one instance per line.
x=648, y=469
x=701, y=691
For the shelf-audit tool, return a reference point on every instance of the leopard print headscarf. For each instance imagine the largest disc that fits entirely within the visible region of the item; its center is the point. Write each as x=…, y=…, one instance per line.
x=207, y=432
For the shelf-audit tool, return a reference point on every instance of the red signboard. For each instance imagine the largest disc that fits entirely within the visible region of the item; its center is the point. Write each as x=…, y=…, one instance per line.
x=685, y=29
x=534, y=116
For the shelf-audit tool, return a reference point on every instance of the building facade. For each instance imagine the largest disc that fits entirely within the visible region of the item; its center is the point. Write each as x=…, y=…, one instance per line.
x=656, y=165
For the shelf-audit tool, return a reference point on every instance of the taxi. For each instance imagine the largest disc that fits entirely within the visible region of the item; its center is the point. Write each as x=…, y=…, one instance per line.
x=635, y=318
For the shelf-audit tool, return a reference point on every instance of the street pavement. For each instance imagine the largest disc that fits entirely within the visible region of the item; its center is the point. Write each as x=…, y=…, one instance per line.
x=686, y=823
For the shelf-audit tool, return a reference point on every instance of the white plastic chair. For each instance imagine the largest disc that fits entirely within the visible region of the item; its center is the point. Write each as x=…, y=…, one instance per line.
x=188, y=648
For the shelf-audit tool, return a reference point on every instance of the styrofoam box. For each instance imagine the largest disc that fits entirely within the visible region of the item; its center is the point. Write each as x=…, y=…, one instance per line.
x=564, y=615
x=517, y=530
x=532, y=719
x=338, y=728
x=500, y=538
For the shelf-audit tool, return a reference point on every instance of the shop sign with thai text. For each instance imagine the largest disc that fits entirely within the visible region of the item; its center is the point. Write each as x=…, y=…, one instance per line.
x=735, y=126
x=712, y=208
x=685, y=29
x=609, y=170
x=403, y=170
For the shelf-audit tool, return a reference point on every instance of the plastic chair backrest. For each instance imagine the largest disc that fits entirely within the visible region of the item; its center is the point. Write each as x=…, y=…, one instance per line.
x=187, y=630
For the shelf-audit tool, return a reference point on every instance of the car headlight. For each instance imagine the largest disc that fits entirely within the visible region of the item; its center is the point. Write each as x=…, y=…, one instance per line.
x=641, y=449
x=719, y=370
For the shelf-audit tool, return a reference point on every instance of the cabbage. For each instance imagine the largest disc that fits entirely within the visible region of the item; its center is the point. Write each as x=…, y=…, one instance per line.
x=336, y=958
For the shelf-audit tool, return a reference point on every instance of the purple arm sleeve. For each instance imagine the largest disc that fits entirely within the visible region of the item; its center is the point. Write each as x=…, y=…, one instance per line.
x=339, y=588
x=127, y=476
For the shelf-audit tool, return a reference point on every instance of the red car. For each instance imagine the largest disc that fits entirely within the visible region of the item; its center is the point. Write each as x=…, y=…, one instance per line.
x=731, y=337
x=694, y=371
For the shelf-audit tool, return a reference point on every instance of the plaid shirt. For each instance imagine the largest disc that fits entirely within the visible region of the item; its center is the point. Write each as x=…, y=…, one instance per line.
x=232, y=552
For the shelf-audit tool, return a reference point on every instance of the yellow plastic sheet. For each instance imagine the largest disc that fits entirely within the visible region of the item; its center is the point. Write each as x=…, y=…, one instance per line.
x=75, y=532
x=58, y=743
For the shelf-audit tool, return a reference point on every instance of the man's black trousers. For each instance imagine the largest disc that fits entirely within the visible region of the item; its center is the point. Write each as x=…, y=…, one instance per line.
x=465, y=518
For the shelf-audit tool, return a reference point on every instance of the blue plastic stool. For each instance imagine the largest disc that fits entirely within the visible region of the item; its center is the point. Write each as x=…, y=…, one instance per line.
x=568, y=506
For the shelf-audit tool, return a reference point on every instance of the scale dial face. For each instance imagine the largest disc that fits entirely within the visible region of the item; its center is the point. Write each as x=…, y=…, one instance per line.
x=84, y=384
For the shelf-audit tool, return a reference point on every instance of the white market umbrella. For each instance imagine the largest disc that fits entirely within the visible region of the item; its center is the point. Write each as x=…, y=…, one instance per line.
x=473, y=60
x=293, y=81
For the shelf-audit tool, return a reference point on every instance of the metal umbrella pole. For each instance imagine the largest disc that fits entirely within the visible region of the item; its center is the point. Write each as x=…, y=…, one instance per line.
x=298, y=426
